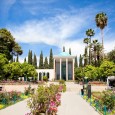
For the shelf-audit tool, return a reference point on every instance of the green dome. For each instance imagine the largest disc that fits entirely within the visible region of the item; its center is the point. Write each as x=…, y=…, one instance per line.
x=64, y=54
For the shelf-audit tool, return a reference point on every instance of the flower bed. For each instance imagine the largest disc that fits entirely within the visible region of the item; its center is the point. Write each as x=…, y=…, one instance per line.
x=12, y=97
x=97, y=83
x=18, y=82
x=103, y=102
x=46, y=100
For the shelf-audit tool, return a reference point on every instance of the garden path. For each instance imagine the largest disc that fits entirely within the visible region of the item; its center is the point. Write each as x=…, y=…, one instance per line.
x=73, y=104
x=19, y=108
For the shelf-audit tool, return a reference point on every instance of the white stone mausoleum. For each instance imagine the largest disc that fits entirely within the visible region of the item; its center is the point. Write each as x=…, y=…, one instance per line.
x=63, y=68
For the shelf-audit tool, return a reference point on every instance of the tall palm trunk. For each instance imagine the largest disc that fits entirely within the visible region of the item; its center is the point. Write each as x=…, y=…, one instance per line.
x=102, y=44
x=90, y=52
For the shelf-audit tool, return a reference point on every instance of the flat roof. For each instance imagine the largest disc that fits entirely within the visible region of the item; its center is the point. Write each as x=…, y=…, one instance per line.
x=64, y=55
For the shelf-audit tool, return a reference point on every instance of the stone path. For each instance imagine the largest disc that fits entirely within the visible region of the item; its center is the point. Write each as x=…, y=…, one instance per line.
x=71, y=104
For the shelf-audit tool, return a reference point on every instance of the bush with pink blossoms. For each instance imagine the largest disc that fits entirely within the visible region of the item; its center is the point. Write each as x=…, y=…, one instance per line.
x=45, y=100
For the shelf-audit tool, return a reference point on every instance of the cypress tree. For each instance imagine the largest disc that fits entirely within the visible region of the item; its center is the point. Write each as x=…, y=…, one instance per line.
x=63, y=48
x=30, y=57
x=14, y=60
x=80, y=61
x=11, y=59
x=51, y=60
x=35, y=61
x=76, y=63
x=46, y=66
x=70, y=51
x=17, y=59
x=85, y=57
x=25, y=60
x=41, y=66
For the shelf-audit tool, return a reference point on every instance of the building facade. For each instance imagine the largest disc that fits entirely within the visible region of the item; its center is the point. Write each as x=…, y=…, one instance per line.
x=63, y=68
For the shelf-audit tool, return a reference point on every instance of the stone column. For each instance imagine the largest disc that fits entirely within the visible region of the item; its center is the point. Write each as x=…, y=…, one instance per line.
x=73, y=67
x=54, y=71
x=66, y=69
x=42, y=76
x=38, y=76
x=60, y=68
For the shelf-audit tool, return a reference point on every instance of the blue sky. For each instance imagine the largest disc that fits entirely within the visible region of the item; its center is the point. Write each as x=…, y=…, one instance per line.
x=44, y=24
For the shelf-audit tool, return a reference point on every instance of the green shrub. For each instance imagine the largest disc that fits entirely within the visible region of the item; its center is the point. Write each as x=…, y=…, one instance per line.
x=45, y=78
x=61, y=81
x=108, y=100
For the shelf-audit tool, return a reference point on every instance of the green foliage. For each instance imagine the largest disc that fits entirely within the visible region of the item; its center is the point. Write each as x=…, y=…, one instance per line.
x=79, y=73
x=108, y=99
x=61, y=81
x=13, y=70
x=70, y=51
x=101, y=20
x=24, y=59
x=41, y=65
x=63, y=48
x=8, y=98
x=107, y=68
x=17, y=59
x=111, y=55
x=30, y=57
x=90, y=72
x=8, y=45
x=35, y=61
x=45, y=78
x=86, y=57
x=46, y=66
x=42, y=100
x=28, y=91
x=3, y=61
x=28, y=70
x=76, y=62
x=80, y=61
x=51, y=60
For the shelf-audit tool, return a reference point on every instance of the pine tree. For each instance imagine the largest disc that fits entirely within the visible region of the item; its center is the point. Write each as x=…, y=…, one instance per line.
x=46, y=66
x=70, y=51
x=76, y=63
x=25, y=60
x=41, y=66
x=51, y=60
x=17, y=59
x=63, y=48
x=35, y=61
x=80, y=61
x=85, y=57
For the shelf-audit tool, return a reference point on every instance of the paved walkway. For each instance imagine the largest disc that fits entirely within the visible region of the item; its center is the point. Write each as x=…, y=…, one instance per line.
x=71, y=104
x=19, y=108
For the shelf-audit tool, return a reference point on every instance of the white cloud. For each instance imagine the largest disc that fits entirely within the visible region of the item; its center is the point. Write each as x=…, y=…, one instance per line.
x=59, y=30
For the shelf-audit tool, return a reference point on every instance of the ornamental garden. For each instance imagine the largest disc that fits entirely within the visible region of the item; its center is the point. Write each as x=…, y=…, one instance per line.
x=91, y=68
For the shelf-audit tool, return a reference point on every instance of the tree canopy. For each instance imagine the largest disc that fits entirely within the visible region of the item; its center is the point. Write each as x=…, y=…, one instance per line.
x=8, y=45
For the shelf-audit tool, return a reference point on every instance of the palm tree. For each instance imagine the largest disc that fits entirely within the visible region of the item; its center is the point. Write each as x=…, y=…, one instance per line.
x=90, y=33
x=101, y=21
x=86, y=40
x=95, y=43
